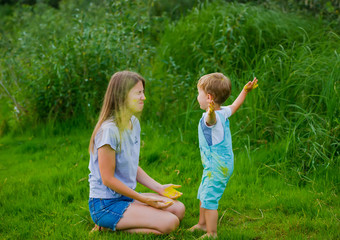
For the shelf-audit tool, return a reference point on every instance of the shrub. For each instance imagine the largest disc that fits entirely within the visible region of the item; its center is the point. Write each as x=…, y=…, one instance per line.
x=296, y=61
x=59, y=62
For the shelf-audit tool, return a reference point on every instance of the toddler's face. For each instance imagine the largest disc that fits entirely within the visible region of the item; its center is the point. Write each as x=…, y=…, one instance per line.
x=202, y=99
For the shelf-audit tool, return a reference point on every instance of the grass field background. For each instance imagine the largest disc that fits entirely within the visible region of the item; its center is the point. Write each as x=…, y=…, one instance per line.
x=44, y=190
x=55, y=64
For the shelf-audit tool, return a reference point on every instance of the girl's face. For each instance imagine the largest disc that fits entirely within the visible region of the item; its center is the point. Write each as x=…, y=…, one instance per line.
x=136, y=98
x=203, y=99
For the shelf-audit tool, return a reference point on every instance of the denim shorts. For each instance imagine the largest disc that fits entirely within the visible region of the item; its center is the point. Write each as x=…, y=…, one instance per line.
x=107, y=212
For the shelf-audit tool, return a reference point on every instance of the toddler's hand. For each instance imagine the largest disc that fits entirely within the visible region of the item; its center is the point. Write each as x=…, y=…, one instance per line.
x=251, y=85
x=171, y=192
x=211, y=107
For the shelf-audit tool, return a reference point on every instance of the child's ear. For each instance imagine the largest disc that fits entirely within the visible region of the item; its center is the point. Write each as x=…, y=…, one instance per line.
x=210, y=97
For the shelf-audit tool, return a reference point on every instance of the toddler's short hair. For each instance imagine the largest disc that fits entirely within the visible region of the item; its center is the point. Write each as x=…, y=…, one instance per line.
x=217, y=85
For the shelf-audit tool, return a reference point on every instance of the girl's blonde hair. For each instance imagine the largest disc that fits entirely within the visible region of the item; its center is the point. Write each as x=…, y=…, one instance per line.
x=115, y=99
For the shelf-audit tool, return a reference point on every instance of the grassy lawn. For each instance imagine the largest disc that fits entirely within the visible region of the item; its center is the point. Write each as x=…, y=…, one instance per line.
x=44, y=190
x=54, y=67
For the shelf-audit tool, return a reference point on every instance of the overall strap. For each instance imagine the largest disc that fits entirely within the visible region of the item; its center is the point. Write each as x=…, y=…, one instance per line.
x=221, y=116
x=225, y=124
x=202, y=141
x=202, y=137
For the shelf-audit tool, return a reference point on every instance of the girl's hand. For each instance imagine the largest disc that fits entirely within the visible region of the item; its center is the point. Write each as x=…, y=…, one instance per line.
x=157, y=202
x=169, y=191
x=251, y=85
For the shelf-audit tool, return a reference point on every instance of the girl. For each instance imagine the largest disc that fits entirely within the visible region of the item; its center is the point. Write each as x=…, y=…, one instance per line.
x=114, y=156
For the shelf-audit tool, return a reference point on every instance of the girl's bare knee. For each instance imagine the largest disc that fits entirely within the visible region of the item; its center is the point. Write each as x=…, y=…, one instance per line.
x=180, y=210
x=170, y=223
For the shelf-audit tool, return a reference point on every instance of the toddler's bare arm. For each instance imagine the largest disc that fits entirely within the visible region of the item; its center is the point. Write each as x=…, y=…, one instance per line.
x=210, y=118
x=240, y=99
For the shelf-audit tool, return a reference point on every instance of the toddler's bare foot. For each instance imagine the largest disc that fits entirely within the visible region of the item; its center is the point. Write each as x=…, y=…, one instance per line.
x=209, y=235
x=198, y=227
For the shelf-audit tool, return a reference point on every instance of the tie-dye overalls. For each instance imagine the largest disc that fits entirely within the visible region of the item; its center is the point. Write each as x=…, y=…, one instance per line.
x=218, y=164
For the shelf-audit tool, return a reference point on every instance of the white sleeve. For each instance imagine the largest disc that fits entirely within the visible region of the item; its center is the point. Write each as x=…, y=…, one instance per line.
x=107, y=135
x=226, y=111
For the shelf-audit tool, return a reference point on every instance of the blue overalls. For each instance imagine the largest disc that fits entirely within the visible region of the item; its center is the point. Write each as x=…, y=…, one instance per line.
x=218, y=164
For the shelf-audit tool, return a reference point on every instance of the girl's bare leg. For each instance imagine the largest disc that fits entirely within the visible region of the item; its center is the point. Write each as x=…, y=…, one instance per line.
x=177, y=208
x=201, y=225
x=143, y=231
x=140, y=218
x=97, y=228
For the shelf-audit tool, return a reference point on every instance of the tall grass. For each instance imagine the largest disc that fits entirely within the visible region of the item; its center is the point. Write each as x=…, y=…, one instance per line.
x=65, y=57
x=296, y=61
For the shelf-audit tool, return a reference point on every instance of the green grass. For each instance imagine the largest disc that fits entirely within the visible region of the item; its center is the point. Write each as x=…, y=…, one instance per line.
x=44, y=189
x=285, y=136
x=295, y=59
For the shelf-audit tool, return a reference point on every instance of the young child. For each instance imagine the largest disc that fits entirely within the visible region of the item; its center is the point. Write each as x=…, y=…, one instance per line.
x=215, y=145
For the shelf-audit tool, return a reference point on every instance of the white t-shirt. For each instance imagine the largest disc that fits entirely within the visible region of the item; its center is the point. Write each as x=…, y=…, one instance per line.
x=215, y=134
x=127, y=146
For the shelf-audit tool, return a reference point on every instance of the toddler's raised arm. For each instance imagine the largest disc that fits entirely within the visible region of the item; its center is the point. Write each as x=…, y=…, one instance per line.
x=240, y=99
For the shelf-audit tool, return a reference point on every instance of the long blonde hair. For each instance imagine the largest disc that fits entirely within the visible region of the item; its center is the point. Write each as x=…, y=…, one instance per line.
x=115, y=99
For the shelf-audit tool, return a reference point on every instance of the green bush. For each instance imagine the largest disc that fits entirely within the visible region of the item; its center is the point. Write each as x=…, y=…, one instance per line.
x=64, y=58
x=228, y=38
x=55, y=65
x=296, y=61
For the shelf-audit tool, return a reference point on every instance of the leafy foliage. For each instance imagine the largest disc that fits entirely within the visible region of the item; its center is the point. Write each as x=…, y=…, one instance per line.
x=66, y=61
x=55, y=65
x=297, y=97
